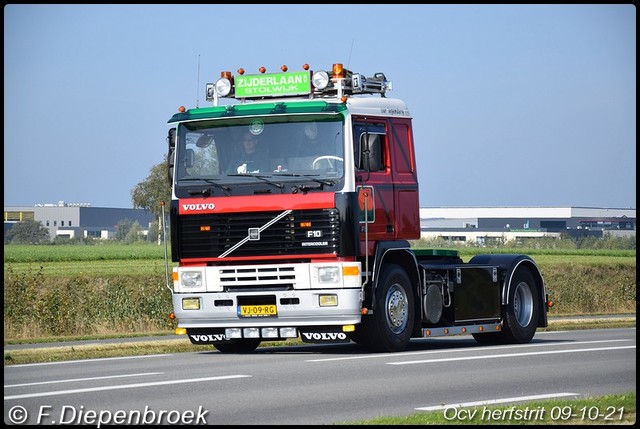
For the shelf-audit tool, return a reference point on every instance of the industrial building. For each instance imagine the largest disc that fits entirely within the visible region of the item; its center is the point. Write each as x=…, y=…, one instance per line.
x=479, y=225
x=76, y=220
x=483, y=225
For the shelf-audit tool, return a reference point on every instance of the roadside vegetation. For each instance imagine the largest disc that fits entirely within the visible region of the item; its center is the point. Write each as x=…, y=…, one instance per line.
x=114, y=288
x=95, y=290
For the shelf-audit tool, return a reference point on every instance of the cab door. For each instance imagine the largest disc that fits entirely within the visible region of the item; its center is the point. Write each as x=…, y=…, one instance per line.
x=374, y=179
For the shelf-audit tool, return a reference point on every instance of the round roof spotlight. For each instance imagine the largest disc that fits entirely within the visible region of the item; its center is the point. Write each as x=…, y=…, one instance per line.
x=320, y=79
x=223, y=86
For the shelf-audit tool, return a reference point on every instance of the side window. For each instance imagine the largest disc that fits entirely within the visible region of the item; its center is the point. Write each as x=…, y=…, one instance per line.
x=370, y=142
x=403, y=158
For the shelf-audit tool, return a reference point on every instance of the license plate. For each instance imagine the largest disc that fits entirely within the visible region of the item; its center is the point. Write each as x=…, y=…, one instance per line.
x=257, y=310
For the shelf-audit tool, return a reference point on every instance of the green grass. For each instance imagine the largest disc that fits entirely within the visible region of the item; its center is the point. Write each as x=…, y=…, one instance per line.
x=614, y=253
x=107, y=251
x=104, y=251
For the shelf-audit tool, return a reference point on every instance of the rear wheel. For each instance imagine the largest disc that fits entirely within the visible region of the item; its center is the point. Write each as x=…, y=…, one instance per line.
x=520, y=315
x=389, y=328
x=238, y=346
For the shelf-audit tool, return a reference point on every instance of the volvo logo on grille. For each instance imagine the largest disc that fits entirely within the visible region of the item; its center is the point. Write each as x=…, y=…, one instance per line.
x=254, y=234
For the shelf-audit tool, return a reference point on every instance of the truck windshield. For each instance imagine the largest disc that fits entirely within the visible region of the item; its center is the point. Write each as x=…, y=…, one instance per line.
x=237, y=149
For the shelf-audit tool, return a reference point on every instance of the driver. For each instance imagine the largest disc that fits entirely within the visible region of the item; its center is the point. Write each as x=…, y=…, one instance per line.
x=250, y=159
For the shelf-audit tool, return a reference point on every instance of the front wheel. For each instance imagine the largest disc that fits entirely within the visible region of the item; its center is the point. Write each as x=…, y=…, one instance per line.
x=389, y=328
x=238, y=346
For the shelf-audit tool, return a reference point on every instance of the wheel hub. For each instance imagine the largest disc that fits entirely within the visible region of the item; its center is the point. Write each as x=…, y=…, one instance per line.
x=397, y=309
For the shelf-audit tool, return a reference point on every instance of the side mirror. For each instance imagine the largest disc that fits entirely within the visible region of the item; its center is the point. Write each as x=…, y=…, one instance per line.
x=374, y=155
x=189, y=156
x=369, y=148
x=171, y=154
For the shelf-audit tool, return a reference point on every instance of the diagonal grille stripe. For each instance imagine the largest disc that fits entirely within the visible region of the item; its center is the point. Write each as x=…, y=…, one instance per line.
x=262, y=228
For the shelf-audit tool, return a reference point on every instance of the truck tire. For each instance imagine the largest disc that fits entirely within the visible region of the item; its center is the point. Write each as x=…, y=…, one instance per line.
x=238, y=346
x=389, y=328
x=520, y=316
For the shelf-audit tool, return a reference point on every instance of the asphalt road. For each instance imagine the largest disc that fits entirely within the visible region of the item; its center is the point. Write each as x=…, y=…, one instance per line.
x=321, y=384
x=174, y=337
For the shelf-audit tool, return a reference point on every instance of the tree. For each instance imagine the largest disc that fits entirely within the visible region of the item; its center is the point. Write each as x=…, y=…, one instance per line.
x=154, y=232
x=134, y=234
x=155, y=189
x=28, y=232
x=122, y=229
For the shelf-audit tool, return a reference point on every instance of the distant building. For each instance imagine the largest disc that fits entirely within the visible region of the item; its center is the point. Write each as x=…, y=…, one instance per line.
x=479, y=225
x=483, y=225
x=76, y=220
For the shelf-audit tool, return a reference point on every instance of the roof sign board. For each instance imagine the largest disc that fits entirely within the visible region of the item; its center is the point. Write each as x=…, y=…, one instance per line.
x=273, y=84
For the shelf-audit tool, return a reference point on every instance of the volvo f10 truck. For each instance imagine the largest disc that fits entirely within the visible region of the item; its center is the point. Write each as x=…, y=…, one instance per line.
x=294, y=200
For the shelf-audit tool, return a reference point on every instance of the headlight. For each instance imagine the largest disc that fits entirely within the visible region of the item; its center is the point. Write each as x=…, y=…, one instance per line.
x=328, y=275
x=191, y=279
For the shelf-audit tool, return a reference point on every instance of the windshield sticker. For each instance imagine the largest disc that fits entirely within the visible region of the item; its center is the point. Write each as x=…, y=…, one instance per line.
x=256, y=127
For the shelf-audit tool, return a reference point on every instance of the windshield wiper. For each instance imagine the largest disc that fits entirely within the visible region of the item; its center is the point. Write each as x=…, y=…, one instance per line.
x=204, y=192
x=328, y=182
x=263, y=178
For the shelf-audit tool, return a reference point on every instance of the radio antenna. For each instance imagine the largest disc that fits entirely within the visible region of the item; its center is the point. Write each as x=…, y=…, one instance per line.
x=350, y=51
x=198, y=85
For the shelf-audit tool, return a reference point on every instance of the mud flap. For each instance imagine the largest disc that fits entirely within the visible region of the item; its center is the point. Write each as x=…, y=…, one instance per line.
x=206, y=336
x=328, y=334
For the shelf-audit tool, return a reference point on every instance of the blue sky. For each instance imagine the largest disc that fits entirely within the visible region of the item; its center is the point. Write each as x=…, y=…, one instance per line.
x=513, y=105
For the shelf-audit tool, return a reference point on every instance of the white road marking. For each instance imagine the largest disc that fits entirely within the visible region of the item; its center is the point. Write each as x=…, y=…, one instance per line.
x=71, y=380
x=123, y=386
x=453, y=359
x=496, y=401
x=467, y=349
